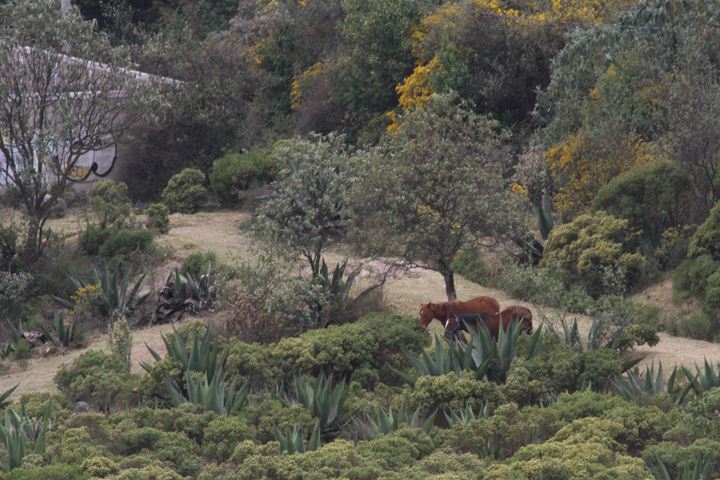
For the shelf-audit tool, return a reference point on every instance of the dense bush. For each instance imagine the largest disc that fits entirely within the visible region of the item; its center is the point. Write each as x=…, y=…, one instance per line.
x=10, y=248
x=157, y=214
x=186, y=192
x=544, y=286
x=673, y=247
x=470, y=265
x=236, y=172
x=96, y=378
x=115, y=240
x=56, y=471
x=583, y=446
x=450, y=392
x=699, y=277
x=93, y=238
x=196, y=264
x=692, y=275
x=706, y=240
x=653, y=197
x=598, y=251
x=125, y=242
x=375, y=341
x=109, y=201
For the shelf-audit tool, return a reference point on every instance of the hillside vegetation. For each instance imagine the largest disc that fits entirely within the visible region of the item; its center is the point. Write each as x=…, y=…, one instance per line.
x=302, y=182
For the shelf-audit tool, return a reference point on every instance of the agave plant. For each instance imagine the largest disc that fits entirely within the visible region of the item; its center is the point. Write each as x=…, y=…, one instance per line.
x=701, y=469
x=6, y=348
x=703, y=379
x=447, y=357
x=204, y=354
x=320, y=398
x=183, y=293
x=294, y=440
x=543, y=212
x=215, y=395
x=650, y=383
x=337, y=284
x=483, y=355
x=60, y=333
x=5, y=395
x=116, y=294
x=388, y=421
x=466, y=415
x=20, y=431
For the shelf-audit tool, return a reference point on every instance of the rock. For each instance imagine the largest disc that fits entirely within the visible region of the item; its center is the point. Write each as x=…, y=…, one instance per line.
x=58, y=210
x=49, y=350
x=80, y=407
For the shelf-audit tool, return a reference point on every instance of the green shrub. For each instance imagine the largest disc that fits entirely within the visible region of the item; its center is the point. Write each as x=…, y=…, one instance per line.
x=186, y=192
x=21, y=349
x=544, y=287
x=151, y=472
x=269, y=413
x=51, y=472
x=698, y=326
x=692, y=275
x=190, y=419
x=706, y=240
x=196, y=263
x=157, y=214
x=711, y=302
x=10, y=248
x=673, y=247
x=375, y=341
x=93, y=238
x=450, y=392
x=557, y=367
x=391, y=452
x=584, y=449
x=471, y=266
x=109, y=201
x=99, y=466
x=124, y=242
x=598, y=251
x=75, y=445
x=501, y=434
x=97, y=378
x=653, y=197
x=675, y=457
x=222, y=435
x=236, y=172
x=115, y=240
x=175, y=448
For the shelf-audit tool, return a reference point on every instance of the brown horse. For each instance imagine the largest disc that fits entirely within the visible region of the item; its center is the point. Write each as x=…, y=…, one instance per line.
x=461, y=321
x=442, y=311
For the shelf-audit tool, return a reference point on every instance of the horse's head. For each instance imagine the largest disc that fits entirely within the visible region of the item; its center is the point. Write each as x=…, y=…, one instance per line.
x=426, y=315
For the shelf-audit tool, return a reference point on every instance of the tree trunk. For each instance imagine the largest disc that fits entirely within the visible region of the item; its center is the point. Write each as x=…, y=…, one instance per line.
x=33, y=241
x=449, y=277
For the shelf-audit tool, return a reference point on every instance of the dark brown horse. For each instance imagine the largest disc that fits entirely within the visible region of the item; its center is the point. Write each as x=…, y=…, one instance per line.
x=461, y=321
x=442, y=311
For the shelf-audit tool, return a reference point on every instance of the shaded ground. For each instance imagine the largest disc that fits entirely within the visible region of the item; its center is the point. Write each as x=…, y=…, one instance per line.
x=220, y=232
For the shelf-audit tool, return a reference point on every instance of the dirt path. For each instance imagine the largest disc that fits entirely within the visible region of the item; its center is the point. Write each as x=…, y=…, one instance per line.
x=220, y=232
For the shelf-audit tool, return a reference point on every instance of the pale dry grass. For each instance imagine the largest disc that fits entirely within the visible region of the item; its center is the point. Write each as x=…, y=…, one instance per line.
x=40, y=371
